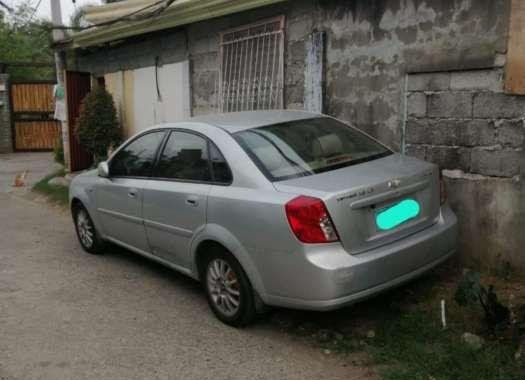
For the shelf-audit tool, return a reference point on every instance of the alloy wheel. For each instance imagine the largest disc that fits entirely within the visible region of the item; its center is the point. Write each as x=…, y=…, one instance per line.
x=85, y=229
x=223, y=287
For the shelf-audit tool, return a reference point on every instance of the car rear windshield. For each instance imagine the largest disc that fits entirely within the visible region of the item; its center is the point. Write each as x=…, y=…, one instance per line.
x=305, y=147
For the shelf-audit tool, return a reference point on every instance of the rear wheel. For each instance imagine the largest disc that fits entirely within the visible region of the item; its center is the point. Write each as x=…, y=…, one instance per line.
x=229, y=292
x=86, y=232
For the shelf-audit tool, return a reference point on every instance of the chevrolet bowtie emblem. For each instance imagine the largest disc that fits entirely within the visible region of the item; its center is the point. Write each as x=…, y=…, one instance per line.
x=394, y=184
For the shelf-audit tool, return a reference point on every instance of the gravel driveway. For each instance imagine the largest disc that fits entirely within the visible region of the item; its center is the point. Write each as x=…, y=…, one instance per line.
x=68, y=315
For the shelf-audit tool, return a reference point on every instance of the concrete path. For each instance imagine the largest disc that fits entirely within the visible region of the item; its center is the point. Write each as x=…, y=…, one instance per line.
x=37, y=165
x=65, y=314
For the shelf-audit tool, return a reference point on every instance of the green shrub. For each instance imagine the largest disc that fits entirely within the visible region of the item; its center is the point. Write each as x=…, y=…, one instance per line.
x=58, y=153
x=98, y=128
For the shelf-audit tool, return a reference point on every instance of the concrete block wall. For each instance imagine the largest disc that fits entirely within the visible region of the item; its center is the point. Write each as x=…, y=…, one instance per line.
x=458, y=115
x=464, y=122
x=6, y=141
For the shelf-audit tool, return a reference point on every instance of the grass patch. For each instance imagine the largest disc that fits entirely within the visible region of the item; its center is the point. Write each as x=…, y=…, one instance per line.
x=55, y=193
x=399, y=334
x=414, y=346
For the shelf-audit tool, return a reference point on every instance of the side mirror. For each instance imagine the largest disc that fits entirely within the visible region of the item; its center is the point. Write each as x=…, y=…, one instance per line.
x=103, y=169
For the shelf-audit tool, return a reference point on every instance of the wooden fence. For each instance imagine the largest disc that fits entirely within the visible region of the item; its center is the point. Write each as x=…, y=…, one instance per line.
x=32, y=109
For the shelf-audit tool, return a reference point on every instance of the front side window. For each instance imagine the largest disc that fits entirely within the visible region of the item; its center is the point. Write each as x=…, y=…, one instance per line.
x=305, y=147
x=138, y=157
x=185, y=157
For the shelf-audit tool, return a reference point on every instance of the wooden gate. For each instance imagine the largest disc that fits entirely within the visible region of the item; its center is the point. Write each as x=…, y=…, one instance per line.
x=32, y=109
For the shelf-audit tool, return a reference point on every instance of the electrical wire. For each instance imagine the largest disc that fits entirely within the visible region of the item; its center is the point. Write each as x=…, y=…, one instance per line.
x=4, y=5
x=34, y=11
x=127, y=17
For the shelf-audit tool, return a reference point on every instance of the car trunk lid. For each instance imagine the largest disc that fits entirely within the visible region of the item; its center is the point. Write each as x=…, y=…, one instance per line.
x=376, y=202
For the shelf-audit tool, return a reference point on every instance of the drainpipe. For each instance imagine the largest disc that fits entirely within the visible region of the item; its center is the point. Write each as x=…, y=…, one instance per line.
x=405, y=114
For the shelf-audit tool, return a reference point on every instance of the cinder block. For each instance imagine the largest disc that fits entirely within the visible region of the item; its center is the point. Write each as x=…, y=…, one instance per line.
x=510, y=133
x=450, y=132
x=450, y=104
x=205, y=62
x=490, y=80
x=418, y=151
x=476, y=133
x=418, y=131
x=299, y=28
x=296, y=52
x=449, y=157
x=417, y=104
x=496, y=163
x=204, y=45
x=491, y=105
x=429, y=82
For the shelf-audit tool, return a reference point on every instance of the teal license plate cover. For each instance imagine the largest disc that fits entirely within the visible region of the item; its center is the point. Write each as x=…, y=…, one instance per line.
x=392, y=216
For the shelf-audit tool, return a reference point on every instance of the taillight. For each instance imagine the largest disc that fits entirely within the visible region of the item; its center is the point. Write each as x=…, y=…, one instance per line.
x=310, y=221
x=442, y=189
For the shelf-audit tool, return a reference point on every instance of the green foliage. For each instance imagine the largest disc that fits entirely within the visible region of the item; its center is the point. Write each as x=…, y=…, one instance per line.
x=24, y=37
x=98, y=128
x=414, y=346
x=57, y=194
x=468, y=290
x=58, y=153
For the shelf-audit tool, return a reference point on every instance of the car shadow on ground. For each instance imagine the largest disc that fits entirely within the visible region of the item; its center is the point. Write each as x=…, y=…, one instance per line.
x=156, y=270
x=358, y=317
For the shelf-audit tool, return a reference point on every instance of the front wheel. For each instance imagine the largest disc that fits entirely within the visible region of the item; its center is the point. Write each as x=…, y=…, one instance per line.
x=229, y=292
x=86, y=232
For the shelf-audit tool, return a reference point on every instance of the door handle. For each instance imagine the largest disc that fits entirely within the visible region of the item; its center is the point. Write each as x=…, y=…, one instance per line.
x=132, y=193
x=192, y=201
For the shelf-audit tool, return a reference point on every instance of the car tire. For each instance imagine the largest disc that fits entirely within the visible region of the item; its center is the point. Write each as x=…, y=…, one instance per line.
x=87, y=234
x=228, y=290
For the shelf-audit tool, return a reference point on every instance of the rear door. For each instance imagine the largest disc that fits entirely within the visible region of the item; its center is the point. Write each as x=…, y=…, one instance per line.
x=174, y=206
x=119, y=197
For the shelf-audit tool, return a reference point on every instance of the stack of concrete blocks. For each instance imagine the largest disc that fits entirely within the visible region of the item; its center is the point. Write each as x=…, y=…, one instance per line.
x=464, y=122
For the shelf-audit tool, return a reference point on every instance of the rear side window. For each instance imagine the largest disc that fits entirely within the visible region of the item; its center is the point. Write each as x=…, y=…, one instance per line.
x=137, y=158
x=221, y=170
x=185, y=157
x=305, y=147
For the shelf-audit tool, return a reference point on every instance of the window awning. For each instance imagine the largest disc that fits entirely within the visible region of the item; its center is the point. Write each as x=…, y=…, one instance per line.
x=180, y=12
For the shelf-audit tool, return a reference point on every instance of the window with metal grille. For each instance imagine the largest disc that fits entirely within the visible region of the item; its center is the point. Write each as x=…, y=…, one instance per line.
x=251, y=67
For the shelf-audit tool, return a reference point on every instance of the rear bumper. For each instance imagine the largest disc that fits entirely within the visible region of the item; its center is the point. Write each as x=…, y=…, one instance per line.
x=330, y=278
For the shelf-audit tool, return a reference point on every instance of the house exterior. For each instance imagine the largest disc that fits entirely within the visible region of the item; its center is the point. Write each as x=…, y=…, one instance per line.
x=441, y=80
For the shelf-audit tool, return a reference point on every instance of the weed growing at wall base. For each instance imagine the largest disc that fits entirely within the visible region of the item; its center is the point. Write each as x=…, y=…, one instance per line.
x=414, y=346
x=56, y=193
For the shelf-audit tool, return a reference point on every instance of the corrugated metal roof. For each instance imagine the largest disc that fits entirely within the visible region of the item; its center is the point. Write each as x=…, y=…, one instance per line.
x=180, y=12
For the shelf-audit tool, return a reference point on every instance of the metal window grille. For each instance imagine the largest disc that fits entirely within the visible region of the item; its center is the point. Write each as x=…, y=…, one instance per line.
x=251, y=67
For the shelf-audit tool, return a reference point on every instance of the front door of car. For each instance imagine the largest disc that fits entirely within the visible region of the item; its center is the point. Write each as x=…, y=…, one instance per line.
x=119, y=197
x=176, y=197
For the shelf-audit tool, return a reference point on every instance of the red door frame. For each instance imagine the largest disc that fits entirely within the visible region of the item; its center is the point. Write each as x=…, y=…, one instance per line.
x=78, y=85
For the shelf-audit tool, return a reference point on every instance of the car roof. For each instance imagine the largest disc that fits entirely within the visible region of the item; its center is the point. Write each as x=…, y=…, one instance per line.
x=238, y=121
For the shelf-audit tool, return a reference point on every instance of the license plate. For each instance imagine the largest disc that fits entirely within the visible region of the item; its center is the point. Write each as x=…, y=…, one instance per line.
x=392, y=216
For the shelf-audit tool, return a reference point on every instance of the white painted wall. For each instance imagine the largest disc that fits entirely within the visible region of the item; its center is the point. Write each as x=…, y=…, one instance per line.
x=174, y=101
x=136, y=99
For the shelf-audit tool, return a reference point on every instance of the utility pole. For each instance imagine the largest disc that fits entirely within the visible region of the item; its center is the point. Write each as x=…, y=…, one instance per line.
x=60, y=59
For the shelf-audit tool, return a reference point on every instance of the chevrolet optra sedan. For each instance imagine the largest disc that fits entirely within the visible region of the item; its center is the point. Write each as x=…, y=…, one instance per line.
x=278, y=208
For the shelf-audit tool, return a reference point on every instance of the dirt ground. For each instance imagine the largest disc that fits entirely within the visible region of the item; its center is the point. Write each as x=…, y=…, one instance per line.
x=68, y=315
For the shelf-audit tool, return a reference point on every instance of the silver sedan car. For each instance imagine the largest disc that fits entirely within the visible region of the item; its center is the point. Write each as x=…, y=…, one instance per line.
x=279, y=208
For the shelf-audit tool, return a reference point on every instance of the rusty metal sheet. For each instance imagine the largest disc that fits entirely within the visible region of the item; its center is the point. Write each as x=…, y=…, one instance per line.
x=515, y=69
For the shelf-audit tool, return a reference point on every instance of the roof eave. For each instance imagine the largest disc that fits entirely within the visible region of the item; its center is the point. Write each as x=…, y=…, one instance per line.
x=177, y=16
